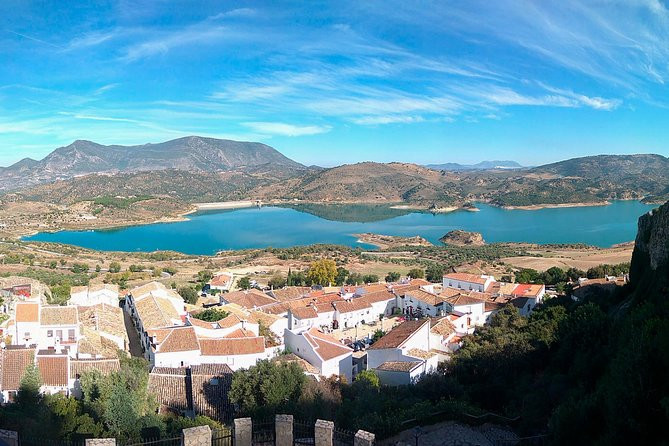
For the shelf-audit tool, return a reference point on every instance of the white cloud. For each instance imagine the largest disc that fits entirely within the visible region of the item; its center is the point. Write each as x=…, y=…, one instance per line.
x=282, y=129
x=239, y=12
x=388, y=119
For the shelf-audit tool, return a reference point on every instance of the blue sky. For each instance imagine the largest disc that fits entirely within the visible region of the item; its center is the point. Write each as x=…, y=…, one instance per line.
x=339, y=82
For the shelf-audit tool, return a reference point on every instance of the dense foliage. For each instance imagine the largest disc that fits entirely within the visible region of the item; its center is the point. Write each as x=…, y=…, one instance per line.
x=210, y=315
x=118, y=405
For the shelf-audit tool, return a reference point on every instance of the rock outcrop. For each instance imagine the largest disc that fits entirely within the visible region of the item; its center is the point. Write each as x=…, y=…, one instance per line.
x=649, y=272
x=463, y=238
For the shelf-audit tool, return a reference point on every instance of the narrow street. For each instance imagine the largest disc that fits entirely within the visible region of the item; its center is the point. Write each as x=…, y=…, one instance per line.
x=134, y=344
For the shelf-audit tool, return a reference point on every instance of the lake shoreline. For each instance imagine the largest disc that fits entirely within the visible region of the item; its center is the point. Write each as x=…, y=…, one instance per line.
x=536, y=207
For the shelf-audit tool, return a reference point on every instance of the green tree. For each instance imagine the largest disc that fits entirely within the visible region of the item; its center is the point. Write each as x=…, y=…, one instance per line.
x=79, y=268
x=244, y=283
x=366, y=380
x=204, y=276
x=370, y=278
x=393, y=276
x=188, y=294
x=277, y=281
x=322, y=272
x=342, y=274
x=354, y=279
x=267, y=387
x=434, y=272
x=416, y=273
x=114, y=267
x=210, y=315
x=28, y=395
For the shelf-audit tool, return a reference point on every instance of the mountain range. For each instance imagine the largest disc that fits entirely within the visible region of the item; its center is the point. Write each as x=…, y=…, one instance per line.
x=483, y=165
x=192, y=154
x=196, y=169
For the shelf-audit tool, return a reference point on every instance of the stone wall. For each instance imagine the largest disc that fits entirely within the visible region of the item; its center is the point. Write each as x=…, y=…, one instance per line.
x=196, y=436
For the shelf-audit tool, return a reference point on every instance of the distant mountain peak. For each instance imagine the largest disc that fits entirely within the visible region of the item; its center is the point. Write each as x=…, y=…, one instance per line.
x=483, y=165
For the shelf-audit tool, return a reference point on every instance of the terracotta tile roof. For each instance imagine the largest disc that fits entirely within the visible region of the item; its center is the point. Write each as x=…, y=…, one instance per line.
x=104, y=366
x=290, y=293
x=502, y=288
x=202, y=388
x=350, y=306
x=493, y=306
x=442, y=327
x=465, y=277
x=249, y=299
x=180, y=339
x=195, y=322
x=424, y=296
x=105, y=318
x=155, y=311
x=14, y=364
x=27, y=312
x=450, y=292
x=229, y=321
x=373, y=288
x=221, y=280
x=59, y=316
x=463, y=299
x=241, y=333
x=414, y=284
x=325, y=345
x=527, y=290
x=170, y=388
x=54, y=370
x=399, y=366
x=379, y=296
x=398, y=335
x=304, y=312
x=302, y=363
x=210, y=385
x=419, y=353
x=140, y=291
x=232, y=346
x=93, y=343
x=256, y=317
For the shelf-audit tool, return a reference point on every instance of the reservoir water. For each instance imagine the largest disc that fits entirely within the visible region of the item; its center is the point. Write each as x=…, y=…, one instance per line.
x=209, y=232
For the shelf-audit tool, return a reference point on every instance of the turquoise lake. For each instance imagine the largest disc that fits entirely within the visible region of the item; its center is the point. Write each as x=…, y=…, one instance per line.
x=209, y=232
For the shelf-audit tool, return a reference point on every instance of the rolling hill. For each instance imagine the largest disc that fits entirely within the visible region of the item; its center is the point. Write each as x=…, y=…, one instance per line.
x=196, y=169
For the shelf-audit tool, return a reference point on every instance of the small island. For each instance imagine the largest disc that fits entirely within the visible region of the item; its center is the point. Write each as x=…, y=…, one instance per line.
x=390, y=241
x=463, y=238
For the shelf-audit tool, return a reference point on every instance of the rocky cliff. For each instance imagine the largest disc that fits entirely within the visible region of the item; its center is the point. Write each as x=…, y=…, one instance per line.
x=649, y=271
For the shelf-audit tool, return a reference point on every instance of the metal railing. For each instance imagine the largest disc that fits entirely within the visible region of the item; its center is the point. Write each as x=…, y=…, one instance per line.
x=176, y=441
x=221, y=437
x=303, y=433
x=263, y=433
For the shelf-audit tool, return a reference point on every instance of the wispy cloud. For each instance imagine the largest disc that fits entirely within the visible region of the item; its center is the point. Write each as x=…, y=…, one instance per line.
x=282, y=129
x=34, y=39
x=389, y=119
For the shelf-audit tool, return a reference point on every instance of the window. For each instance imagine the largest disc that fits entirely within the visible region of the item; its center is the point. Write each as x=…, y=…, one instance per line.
x=70, y=334
x=213, y=381
x=49, y=333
